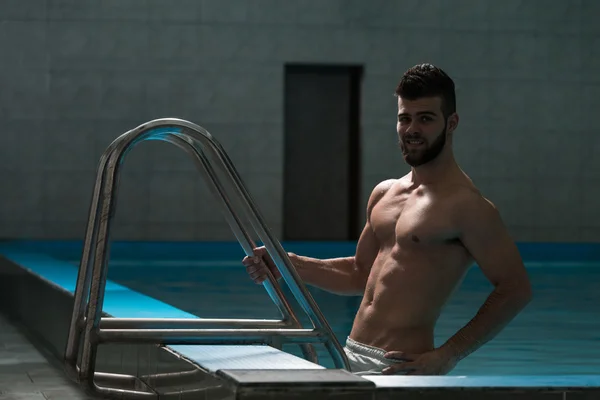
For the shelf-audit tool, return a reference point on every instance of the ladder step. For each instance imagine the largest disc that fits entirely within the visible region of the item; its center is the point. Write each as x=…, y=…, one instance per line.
x=206, y=336
x=187, y=323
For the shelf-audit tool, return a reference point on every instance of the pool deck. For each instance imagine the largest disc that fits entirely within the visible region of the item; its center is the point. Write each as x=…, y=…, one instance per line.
x=27, y=374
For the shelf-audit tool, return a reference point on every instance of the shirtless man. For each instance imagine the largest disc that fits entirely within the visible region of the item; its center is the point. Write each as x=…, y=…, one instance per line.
x=422, y=233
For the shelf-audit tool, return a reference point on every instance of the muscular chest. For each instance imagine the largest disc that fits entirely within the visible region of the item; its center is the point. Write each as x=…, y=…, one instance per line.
x=413, y=218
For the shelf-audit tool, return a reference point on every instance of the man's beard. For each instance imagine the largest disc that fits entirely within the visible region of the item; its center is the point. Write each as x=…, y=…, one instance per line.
x=418, y=157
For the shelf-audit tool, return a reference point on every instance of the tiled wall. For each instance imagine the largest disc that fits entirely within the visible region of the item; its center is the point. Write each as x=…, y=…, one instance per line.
x=75, y=75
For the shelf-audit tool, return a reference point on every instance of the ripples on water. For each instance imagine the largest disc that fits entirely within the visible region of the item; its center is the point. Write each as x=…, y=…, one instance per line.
x=557, y=334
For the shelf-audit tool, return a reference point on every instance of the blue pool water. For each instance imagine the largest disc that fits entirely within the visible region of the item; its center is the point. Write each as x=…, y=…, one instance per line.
x=556, y=335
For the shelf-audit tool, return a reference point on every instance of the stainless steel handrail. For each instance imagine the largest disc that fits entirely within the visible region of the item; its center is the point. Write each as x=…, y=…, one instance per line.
x=87, y=317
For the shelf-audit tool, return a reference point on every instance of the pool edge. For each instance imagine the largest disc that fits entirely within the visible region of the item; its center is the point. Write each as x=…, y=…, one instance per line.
x=43, y=309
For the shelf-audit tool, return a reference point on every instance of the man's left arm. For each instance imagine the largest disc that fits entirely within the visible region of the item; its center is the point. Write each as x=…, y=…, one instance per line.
x=484, y=235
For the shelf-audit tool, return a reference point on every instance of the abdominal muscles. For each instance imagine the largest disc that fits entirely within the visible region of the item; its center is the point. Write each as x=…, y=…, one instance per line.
x=404, y=296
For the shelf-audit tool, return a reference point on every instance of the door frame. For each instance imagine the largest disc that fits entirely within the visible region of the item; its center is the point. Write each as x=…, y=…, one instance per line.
x=356, y=72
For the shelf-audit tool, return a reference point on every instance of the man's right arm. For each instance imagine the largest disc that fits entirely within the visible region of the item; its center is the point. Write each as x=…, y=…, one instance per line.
x=345, y=275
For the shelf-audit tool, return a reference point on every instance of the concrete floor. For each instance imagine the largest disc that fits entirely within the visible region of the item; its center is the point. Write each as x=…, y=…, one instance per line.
x=26, y=374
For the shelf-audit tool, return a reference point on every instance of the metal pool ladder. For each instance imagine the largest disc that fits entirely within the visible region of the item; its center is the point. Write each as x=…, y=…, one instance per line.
x=88, y=328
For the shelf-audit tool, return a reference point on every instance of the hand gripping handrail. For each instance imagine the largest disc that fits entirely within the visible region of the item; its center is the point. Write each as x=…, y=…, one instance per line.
x=87, y=322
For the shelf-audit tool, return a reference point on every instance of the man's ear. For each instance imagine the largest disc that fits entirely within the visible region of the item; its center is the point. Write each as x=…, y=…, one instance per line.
x=452, y=122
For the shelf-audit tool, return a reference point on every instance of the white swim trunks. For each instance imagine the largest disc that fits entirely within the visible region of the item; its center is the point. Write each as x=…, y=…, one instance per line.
x=366, y=360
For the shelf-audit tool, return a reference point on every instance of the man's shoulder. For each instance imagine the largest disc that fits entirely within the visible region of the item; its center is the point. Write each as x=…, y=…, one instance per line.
x=382, y=187
x=385, y=185
x=379, y=191
x=470, y=204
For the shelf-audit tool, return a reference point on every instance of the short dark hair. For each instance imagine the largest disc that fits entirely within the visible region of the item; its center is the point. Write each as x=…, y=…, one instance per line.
x=426, y=80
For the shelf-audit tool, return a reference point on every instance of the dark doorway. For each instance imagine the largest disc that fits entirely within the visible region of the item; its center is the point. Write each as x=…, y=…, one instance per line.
x=322, y=152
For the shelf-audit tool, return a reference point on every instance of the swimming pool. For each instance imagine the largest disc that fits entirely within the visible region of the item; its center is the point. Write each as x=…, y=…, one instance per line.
x=556, y=335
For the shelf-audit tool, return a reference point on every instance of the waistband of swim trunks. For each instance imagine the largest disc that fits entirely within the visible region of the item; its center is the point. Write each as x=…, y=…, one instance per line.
x=364, y=349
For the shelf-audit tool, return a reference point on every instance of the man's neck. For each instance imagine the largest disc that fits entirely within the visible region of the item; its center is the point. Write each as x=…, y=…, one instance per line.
x=438, y=170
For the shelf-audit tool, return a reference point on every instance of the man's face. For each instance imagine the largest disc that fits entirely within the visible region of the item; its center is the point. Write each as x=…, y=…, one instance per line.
x=421, y=129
